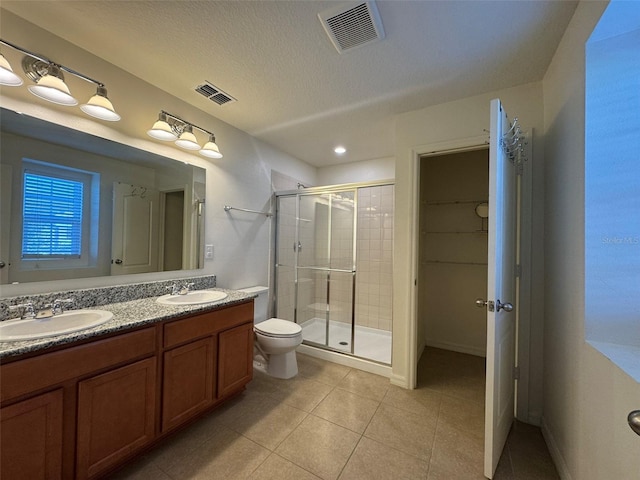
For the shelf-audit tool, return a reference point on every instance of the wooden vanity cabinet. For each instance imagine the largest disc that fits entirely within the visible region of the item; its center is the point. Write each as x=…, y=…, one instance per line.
x=31, y=432
x=116, y=416
x=236, y=358
x=80, y=412
x=205, y=360
x=188, y=385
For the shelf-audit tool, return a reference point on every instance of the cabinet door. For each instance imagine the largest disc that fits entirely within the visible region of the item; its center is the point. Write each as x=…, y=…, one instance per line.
x=235, y=358
x=115, y=416
x=188, y=381
x=31, y=438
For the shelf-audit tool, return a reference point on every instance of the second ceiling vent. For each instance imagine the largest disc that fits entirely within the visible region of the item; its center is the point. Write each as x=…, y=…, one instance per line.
x=352, y=25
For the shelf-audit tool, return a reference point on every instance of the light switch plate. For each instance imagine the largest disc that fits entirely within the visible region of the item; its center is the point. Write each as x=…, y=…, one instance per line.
x=208, y=251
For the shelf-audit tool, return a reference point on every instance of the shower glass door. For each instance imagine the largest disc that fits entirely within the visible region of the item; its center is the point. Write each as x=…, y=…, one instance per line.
x=320, y=256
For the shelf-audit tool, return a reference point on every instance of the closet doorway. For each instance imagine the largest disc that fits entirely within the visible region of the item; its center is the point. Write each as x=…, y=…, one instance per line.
x=454, y=191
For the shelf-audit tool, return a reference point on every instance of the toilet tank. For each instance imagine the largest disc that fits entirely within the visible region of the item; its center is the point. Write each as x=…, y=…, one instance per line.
x=260, y=304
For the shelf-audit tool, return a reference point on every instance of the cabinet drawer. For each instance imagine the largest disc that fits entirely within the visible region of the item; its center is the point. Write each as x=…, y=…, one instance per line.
x=198, y=326
x=33, y=374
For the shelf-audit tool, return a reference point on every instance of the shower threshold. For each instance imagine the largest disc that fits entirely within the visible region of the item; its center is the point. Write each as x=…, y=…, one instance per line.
x=370, y=343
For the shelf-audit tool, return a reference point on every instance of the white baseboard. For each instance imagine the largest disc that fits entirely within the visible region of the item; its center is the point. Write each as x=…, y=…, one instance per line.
x=470, y=349
x=556, y=455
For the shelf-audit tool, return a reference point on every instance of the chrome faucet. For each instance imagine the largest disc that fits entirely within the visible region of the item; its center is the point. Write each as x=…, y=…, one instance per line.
x=55, y=308
x=180, y=289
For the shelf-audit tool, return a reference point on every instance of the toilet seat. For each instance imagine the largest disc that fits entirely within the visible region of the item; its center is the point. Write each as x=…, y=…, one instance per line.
x=278, y=328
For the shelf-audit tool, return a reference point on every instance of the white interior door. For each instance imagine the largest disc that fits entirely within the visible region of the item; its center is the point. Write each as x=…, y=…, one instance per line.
x=5, y=216
x=501, y=321
x=134, y=247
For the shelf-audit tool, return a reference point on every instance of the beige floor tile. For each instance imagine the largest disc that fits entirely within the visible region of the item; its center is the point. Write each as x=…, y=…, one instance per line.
x=373, y=460
x=419, y=401
x=366, y=384
x=143, y=469
x=225, y=456
x=269, y=423
x=176, y=447
x=277, y=468
x=302, y=393
x=321, y=370
x=528, y=452
x=347, y=410
x=405, y=431
x=464, y=415
x=319, y=447
x=456, y=454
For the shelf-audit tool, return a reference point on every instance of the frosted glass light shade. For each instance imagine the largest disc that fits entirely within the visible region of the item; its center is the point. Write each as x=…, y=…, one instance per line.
x=53, y=89
x=161, y=130
x=100, y=106
x=210, y=149
x=7, y=77
x=187, y=139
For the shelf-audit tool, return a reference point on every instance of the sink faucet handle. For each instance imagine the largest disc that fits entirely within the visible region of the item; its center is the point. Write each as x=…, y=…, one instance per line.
x=175, y=289
x=59, y=303
x=25, y=309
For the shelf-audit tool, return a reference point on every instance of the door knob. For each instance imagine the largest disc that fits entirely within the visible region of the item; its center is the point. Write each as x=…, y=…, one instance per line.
x=634, y=421
x=507, y=307
x=481, y=303
x=118, y=261
x=2, y=264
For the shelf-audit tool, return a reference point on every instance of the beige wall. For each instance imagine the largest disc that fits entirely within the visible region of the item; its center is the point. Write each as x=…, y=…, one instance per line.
x=453, y=251
x=586, y=397
x=242, y=242
x=443, y=127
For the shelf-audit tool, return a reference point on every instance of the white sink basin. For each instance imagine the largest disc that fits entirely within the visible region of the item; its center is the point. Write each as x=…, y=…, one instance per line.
x=195, y=297
x=67, y=322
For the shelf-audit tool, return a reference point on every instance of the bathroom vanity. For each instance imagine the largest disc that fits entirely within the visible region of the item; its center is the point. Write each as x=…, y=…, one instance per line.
x=80, y=410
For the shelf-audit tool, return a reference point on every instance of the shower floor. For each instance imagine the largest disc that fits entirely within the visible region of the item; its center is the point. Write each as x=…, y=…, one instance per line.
x=370, y=343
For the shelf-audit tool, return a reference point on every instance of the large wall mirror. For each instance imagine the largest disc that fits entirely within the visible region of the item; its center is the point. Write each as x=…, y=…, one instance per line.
x=73, y=205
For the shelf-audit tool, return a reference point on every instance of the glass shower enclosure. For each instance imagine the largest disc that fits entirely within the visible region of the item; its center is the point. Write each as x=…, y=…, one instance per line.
x=330, y=247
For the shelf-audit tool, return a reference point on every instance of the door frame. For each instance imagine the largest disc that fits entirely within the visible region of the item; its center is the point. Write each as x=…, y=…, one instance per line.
x=523, y=332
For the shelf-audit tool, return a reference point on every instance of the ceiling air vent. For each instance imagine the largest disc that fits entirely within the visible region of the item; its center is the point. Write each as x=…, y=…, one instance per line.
x=214, y=94
x=352, y=25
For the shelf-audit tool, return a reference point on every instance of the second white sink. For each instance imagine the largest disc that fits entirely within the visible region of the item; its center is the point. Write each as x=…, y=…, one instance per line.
x=195, y=297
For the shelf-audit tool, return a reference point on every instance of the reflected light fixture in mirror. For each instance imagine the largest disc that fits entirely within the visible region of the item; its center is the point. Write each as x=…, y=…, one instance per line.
x=50, y=84
x=170, y=127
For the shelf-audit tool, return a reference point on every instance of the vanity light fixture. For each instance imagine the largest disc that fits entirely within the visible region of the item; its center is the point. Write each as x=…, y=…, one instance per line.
x=50, y=84
x=170, y=127
x=7, y=77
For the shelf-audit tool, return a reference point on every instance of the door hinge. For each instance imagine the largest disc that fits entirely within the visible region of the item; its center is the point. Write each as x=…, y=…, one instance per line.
x=516, y=373
x=518, y=271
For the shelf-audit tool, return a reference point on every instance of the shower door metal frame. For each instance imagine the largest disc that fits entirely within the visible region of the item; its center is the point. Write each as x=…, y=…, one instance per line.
x=315, y=191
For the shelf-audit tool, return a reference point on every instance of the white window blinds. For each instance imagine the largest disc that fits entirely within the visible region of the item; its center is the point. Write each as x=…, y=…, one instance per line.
x=52, y=217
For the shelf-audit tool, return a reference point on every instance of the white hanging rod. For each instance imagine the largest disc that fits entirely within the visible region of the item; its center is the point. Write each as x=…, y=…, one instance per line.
x=229, y=207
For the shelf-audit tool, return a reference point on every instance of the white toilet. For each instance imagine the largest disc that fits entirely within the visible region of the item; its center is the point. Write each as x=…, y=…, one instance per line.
x=276, y=339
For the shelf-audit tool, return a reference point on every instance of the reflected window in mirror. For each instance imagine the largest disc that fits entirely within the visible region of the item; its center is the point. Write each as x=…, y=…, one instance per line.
x=59, y=208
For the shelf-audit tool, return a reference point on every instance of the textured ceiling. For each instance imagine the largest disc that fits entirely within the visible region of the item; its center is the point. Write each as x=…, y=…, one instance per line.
x=294, y=89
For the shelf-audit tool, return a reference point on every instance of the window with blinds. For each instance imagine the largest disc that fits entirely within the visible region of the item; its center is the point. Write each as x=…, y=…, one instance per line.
x=52, y=217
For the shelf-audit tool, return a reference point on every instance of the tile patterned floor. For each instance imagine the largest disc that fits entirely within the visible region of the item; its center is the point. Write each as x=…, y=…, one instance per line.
x=334, y=422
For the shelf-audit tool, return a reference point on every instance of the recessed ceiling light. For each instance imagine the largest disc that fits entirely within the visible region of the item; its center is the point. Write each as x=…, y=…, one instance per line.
x=340, y=150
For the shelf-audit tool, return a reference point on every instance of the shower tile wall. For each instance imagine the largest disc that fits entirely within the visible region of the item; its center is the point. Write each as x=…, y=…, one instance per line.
x=374, y=255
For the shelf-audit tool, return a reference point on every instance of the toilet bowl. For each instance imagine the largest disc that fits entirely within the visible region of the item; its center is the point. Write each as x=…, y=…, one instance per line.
x=275, y=339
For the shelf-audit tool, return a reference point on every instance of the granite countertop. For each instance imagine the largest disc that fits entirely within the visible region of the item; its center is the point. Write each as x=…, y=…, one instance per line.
x=126, y=315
